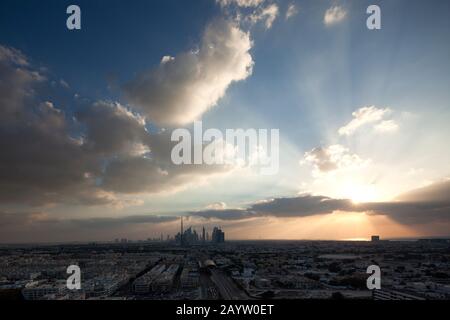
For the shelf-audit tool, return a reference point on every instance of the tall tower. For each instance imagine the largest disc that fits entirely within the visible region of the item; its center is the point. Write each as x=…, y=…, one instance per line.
x=181, y=224
x=181, y=231
x=203, y=234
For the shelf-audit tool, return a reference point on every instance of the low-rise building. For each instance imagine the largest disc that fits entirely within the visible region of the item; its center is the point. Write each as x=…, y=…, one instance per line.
x=143, y=284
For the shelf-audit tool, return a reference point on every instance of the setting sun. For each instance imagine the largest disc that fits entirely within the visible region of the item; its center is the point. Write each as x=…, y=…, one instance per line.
x=361, y=193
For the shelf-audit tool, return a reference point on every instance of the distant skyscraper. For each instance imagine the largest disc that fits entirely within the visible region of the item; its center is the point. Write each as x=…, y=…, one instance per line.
x=181, y=232
x=218, y=236
x=181, y=225
x=203, y=235
x=375, y=238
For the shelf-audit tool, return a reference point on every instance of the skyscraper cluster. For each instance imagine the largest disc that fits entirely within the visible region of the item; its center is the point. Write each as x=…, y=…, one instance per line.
x=218, y=236
x=190, y=235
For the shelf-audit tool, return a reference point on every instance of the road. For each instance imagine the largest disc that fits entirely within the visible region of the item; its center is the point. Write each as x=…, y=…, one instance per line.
x=208, y=290
x=227, y=288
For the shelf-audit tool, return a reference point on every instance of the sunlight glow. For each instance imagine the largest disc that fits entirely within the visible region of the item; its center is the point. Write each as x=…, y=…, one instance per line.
x=361, y=193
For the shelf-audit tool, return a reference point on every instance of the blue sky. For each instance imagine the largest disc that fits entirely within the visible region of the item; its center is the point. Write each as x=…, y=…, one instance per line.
x=308, y=79
x=117, y=39
x=363, y=67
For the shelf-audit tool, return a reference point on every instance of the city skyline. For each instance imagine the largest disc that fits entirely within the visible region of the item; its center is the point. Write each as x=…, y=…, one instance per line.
x=88, y=118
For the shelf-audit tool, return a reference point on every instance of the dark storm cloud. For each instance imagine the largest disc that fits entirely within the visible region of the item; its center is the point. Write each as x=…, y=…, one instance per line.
x=39, y=226
x=8, y=219
x=93, y=158
x=304, y=205
x=412, y=212
x=111, y=128
x=39, y=161
x=12, y=219
x=225, y=214
x=301, y=206
x=109, y=222
x=16, y=80
x=438, y=192
x=420, y=211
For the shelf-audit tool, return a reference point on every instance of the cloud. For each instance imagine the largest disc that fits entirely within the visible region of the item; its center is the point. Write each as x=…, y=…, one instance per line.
x=251, y=12
x=240, y=3
x=102, y=154
x=387, y=126
x=182, y=88
x=143, y=175
x=421, y=206
x=64, y=84
x=303, y=205
x=13, y=56
x=332, y=158
x=334, y=15
x=224, y=214
x=266, y=14
x=16, y=83
x=291, y=11
x=366, y=115
x=17, y=218
x=437, y=192
x=111, y=129
x=39, y=161
x=22, y=227
x=217, y=206
x=121, y=221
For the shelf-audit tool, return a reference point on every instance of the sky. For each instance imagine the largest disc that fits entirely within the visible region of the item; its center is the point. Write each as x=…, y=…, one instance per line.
x=87, y=117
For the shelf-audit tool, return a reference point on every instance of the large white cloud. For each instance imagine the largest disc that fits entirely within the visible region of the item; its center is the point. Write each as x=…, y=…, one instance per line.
x=182, y=88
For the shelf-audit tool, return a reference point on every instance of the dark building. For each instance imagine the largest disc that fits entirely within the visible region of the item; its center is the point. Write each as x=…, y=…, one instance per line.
x=218, y=236
x=186, y=237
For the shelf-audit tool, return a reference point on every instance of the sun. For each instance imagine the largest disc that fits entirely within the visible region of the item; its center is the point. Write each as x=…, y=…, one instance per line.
x=359, y=193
